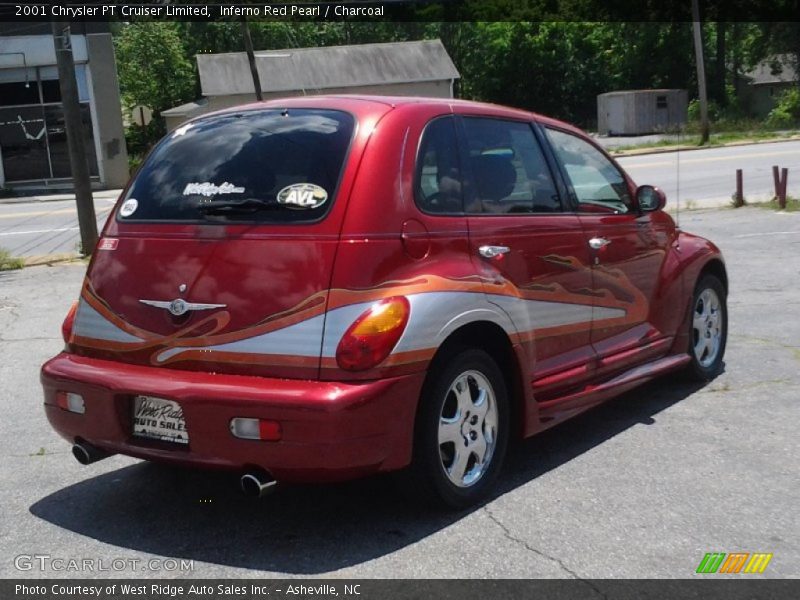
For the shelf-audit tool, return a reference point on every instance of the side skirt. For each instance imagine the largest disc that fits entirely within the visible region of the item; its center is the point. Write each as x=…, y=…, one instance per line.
x=557, y=410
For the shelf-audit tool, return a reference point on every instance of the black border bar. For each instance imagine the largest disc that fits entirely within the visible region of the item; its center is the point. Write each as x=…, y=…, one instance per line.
x=406, y=10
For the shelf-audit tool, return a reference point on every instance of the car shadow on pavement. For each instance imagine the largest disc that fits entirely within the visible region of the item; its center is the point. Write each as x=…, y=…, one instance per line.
x=307, y=530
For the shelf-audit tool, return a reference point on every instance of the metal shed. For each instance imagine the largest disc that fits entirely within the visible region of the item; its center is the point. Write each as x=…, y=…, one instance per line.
x=637, y=112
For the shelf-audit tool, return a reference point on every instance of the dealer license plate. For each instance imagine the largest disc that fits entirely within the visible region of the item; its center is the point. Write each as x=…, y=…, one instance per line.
x=159, y=419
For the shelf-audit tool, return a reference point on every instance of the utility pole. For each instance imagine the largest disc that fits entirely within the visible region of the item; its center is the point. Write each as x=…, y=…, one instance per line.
x=82, y=184
x=251, y=57
x=701, y=72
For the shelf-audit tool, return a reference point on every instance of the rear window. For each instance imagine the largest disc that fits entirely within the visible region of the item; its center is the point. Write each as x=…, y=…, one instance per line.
x=279, y=165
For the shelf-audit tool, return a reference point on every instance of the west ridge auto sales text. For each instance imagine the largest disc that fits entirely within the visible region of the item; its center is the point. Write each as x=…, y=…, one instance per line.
x=174, y=591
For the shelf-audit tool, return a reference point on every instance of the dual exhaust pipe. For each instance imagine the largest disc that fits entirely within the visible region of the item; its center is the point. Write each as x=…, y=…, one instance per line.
x=254, y=483
x=87, y=454
x=257, y=484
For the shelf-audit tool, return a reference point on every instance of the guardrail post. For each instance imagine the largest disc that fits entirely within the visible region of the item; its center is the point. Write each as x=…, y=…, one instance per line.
x=784, y=185
x=776, y=178
x=739, y=198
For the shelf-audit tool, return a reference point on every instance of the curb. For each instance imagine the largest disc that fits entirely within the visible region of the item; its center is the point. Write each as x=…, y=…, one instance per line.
x=98, y=195
x=51, y=259
x=693, y=147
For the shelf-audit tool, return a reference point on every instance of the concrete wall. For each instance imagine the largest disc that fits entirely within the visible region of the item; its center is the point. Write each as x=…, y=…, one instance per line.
x=638, y=112
x=107, y=113
x=38, y=50
x=430, y=89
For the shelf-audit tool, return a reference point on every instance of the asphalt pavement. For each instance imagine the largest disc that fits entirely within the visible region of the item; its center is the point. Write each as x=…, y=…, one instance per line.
x=641, y=487
x=47, y=227
x=707, y=178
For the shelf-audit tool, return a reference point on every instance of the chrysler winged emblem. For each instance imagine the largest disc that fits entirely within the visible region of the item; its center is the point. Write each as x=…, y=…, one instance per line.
x=179, y=306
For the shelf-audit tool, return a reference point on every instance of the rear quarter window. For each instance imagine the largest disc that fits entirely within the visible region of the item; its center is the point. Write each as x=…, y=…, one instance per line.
x=280, y=165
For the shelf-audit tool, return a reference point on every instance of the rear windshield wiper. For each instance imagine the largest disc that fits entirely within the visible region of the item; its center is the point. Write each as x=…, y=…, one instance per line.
x=221, y=207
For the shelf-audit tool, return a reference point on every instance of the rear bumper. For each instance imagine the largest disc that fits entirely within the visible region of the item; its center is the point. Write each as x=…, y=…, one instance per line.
x=330, y=430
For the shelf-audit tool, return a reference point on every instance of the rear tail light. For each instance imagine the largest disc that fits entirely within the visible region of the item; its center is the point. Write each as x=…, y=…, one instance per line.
x=370, y=339
x=69, y=321
x=71, y=402
x=256, y=429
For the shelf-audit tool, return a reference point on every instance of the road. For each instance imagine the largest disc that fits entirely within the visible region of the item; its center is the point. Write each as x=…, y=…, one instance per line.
x=707, y=178
x=642, y=487
x=45, y=228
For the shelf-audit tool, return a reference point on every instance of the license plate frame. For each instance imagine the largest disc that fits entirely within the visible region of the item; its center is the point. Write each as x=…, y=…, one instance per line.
x=159, y=419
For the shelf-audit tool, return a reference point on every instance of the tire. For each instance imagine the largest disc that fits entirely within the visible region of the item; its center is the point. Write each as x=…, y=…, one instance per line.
x=708, y=329
x=453, y=430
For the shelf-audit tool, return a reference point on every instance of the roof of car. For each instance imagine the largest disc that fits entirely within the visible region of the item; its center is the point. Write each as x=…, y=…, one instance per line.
x=365, y=104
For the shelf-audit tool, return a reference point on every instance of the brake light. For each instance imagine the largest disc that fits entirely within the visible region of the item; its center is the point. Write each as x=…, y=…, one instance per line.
x=371, y=337
x=66, y=326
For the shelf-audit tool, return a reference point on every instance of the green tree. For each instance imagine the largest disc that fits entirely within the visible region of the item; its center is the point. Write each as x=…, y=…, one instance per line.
x=153, y=70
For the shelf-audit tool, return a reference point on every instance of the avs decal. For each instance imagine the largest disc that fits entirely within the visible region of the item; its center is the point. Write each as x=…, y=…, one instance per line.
x=129, y=207
x=302, y=195
x=209, y=189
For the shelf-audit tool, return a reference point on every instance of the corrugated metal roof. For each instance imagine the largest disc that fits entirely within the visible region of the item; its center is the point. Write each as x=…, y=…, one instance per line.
x=763, y=71
x=298, y=69
x=645, y=91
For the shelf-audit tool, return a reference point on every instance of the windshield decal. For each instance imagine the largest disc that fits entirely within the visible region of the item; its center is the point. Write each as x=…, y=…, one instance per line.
x=302, y=195
x=209, y=189
x=129, y=207
x=182, y=130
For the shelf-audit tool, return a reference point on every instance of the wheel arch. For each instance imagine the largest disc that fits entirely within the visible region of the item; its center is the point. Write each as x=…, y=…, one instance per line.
x=493, y=339
x=715, y=267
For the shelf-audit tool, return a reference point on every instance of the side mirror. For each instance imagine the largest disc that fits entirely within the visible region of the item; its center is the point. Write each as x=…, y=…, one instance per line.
x=650, y=198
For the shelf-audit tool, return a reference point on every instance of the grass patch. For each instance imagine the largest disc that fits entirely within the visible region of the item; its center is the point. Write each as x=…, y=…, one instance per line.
x=10, y=263
x=792, y=204
x=691, y=138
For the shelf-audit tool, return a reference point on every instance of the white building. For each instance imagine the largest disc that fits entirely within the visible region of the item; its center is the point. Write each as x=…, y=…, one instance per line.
x=33, y=144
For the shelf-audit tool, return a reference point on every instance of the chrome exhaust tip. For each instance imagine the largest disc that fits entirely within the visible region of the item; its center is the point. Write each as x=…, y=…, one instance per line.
x=87, y=454
x=257, y=484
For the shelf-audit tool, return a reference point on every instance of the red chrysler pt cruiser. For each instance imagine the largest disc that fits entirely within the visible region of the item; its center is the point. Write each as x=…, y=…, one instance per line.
x=315, y=289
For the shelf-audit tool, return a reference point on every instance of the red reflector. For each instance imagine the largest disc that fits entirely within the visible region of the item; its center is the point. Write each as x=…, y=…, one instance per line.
x=61, y=400
x=269, y=430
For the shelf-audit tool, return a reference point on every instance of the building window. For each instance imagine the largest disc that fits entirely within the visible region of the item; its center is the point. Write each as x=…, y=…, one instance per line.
x=661, y=102
x=32, y=136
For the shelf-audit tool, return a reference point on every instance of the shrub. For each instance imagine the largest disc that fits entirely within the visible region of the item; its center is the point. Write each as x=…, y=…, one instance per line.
x=714, y=111
x=8, y=262
x=787, y=110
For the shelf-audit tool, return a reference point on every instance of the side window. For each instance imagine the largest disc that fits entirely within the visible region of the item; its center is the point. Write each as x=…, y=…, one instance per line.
x=599, y=186
x=509, y=168
x=438, y=178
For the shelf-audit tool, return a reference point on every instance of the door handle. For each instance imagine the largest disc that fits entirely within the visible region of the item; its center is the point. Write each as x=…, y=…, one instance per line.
x=493, y=251
x=597, y=243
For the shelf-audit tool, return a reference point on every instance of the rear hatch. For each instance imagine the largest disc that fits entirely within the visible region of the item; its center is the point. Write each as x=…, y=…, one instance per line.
x=220, y=253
